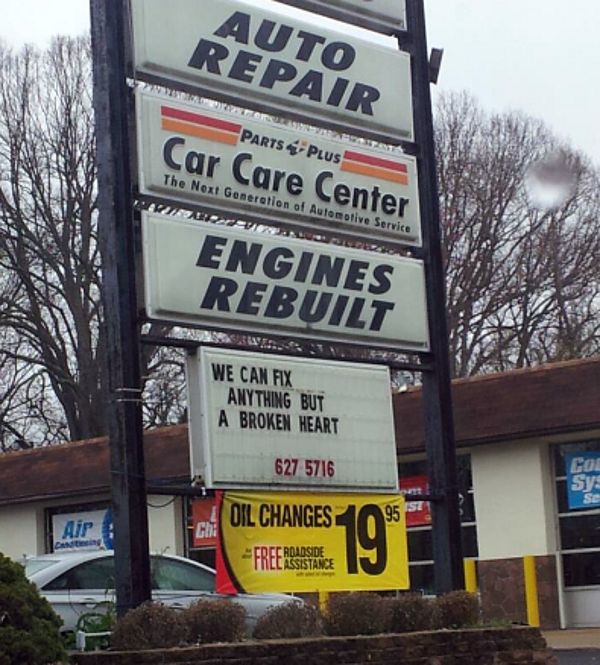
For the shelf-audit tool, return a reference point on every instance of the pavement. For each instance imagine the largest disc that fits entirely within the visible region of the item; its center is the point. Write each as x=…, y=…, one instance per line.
x=573, y=638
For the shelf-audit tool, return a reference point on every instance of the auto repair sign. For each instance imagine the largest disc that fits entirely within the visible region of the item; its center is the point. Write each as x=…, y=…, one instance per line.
x=212, y=275
x=583, y=479
x=263, y=420
x=266, y=59
x=263, y=171
x=309, y=542
x=385, y=16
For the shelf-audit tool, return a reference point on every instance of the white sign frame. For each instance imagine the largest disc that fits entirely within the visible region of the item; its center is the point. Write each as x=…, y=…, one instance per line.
x=385, y=16
x=312, y=424
x=313, y=74
x=217, y=277
x=242, y=167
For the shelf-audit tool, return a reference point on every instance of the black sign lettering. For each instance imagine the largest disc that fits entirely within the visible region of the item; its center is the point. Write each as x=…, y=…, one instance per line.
x=265, y=40
x=212, y=249
x=236, y=26
x=244, y=66
x=219, y=290
x=208, y=55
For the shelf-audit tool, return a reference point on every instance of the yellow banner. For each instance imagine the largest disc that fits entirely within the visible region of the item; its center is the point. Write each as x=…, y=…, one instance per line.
x=311, y=542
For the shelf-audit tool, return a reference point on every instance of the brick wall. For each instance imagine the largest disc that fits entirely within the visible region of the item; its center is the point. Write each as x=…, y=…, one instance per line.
x=448, y=647
x=502, y=589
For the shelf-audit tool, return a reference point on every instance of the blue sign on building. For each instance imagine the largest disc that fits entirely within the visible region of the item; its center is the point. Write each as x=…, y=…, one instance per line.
x=583, y=479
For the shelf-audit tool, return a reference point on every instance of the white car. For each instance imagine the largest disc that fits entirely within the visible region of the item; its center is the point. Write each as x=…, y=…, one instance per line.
x=81, y=583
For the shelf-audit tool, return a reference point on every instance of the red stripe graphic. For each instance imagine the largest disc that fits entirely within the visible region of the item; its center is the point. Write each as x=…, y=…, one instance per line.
x=375, y=161
x=199, y=119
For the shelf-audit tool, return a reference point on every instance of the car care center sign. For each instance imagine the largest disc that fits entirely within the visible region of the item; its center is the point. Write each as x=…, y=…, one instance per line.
x=310, y=542
x=263, y=421
x=583, y=479
x=83, y=531
x=261, y=57
x=244, y=167
x=216, y=276
x=385, y=16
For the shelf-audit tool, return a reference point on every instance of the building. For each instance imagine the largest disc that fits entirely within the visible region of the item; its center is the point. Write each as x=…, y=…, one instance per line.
x=520, y=436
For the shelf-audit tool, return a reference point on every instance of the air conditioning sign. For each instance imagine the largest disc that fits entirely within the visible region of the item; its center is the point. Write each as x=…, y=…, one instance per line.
x=84, y=531
x=215, y=276
x=243, y=54
x=259, y=170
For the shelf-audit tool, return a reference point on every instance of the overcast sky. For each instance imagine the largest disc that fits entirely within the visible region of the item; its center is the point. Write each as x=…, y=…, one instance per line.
x=538, y=56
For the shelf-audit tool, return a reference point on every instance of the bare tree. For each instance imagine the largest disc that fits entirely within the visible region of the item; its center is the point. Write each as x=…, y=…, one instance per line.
x=523, y=282
x=47, y=230
x=523, y=277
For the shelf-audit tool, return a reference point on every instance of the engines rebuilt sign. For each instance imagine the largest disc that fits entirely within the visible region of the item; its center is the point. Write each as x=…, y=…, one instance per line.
x=259, y=421
x=311, y=542
x=216, y=276
x=263, y=58
x=385, y=16
x=265, y=171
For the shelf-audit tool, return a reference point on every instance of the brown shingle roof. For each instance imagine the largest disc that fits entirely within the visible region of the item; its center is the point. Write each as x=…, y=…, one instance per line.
x=82, y=467
x=550, y=399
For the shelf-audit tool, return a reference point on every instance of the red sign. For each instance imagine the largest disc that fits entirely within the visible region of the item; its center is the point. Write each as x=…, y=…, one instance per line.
x=417, y=512
x=204, y=520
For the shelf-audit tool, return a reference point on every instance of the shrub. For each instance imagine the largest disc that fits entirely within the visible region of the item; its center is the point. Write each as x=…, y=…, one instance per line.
x=456, y=609
x=29, y=627
x=287, y=621
x=149, y=626
x=215, y=621
x=409, y=612
x=356, y=614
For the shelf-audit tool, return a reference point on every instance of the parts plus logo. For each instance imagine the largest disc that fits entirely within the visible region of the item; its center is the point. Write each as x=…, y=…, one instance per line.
x=296, y=147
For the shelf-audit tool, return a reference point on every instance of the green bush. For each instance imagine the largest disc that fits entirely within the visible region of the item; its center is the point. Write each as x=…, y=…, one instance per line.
x=289, y=621
x=215, y=621
x=456, y=609
x=357, y=613
x=29, y=627
x=409, y=612
x=149, y=626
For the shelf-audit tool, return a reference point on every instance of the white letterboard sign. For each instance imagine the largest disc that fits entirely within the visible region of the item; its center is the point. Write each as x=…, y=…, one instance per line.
x=260, y=421
x=385, y=16
x=211, y=275
x=248, y=168
x=270, y=61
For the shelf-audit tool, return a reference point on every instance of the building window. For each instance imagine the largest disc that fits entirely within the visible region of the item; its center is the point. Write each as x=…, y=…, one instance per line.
x=578, y=525
x=420, y=551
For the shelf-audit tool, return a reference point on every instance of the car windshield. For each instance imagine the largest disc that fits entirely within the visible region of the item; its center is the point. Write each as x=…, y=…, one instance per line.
x=35, y=565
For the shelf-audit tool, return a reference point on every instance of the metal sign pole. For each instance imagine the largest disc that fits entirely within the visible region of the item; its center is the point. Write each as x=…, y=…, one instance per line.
x=116, y=237
x=437, y=398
